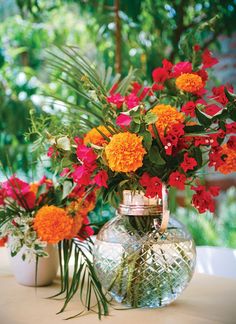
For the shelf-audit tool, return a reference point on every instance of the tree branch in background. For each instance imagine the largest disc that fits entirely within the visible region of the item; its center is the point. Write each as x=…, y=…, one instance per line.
x=118, y=37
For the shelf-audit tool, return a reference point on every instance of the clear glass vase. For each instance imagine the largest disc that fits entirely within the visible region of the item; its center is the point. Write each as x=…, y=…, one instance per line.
x=137, y=265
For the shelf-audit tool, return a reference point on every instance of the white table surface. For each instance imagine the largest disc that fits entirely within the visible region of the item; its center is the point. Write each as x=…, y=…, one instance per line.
x=207, y=299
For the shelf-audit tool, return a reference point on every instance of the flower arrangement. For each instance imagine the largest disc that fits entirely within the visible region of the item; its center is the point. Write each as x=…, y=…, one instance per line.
x=131, y=136
x=36, y=214
x=149, y=135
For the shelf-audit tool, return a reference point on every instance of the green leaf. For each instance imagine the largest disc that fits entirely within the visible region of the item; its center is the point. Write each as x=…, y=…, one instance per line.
x=134, y=127
x=197, y=153
x=150, y=118
x=155, y=156
x=203, y=119
x=67, y=187
x=147, y=140
x=194, y=129
x=230, y=96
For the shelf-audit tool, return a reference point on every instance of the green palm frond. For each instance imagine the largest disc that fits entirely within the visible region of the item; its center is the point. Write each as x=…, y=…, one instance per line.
x=81, y=279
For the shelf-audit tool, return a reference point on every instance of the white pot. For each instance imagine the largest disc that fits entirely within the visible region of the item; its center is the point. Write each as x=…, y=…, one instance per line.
x=25, y=271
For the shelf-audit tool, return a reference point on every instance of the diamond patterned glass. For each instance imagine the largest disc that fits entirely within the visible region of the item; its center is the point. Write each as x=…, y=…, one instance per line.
x=140, y=267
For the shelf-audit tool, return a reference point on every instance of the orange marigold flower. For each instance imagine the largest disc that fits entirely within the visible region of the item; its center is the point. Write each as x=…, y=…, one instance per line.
x=167, y=117
x=230, y=161
x=77, y=213
x=189, y=82
x=94, y=137
x=52, y=224
x=125, y=152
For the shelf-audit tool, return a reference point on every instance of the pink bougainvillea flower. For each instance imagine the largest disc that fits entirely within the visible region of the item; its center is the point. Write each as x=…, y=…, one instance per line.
x=123, y=120
x=132, y=101
x=208, y=60
x=86, y=154
x=101, y=178
x=177, y=180
x=50, y=151
x=65, y=172
x=188, y=163
x=19, y=191
x=81, y=175
x=116, y=99
x=181, y=67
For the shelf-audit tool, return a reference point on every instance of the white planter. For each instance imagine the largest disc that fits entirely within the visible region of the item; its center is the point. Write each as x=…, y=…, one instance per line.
x=25, y=271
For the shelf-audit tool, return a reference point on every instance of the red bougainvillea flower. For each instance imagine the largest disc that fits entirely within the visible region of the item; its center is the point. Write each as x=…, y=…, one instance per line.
x=212, y=109
x=167, y=65
x=153, y=185
x=116, y=99
x=160, y=75
x=203, y=74
x=202, y=140
x=208, y=60
x=231, y=128
x=123, y=120
x=86, y=230
x=189, y=163
x=101, y=178
x=219, y=94
x=140, y=91
x=3, y=241
x=214, y=138
x=215, y=158
x=232, y=143
x=202, y=200
x=196, y=47
x=189, y=109
x=177, y=180
x=170, y=141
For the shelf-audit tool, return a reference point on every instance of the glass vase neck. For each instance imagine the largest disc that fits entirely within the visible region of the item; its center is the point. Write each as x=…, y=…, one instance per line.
x=135, y=203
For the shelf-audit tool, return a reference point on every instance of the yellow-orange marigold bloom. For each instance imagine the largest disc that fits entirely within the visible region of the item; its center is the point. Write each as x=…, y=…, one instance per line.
x=189, y=82
x=230, y=161
x=167, y=117
x=52, y=224
x=76, y=212
x=125, y=152
x=94, y=137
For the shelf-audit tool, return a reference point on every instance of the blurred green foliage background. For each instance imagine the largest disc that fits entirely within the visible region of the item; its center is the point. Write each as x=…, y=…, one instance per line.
x=115, y=33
